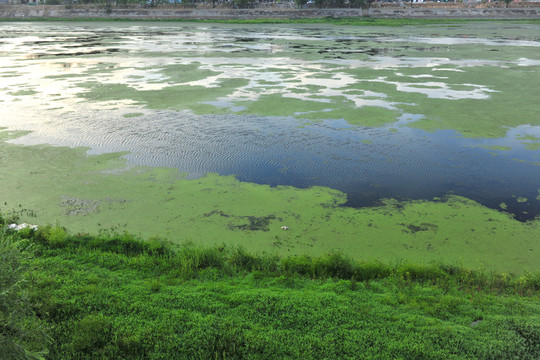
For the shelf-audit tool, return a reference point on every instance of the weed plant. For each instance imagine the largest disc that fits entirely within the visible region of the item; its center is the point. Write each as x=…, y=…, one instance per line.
x=116, y=296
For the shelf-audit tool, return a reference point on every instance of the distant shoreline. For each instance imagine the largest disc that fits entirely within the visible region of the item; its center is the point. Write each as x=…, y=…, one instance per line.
x=405, y=11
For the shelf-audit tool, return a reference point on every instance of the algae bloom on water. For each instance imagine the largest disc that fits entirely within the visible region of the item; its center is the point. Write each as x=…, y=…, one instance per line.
x=234, y=133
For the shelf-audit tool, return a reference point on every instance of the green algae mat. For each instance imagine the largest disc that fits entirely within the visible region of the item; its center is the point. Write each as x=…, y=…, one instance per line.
x=416, y=142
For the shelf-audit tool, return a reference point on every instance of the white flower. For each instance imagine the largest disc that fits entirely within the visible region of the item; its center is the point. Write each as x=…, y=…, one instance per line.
x=18, y=227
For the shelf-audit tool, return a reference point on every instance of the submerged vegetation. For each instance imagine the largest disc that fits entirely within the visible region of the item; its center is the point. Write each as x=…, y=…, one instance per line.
x=116, y=296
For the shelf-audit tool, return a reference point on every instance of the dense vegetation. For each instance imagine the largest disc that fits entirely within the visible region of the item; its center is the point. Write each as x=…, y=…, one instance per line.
x=115, y=296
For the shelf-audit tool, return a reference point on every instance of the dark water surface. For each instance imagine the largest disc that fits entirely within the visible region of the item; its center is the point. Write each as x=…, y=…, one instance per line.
x=368, y=164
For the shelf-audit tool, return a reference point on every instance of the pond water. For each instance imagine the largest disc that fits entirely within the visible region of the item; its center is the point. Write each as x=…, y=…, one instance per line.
x=376, y=112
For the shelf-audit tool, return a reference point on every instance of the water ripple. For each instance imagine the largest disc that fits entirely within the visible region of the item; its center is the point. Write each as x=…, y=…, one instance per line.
x=409, y=164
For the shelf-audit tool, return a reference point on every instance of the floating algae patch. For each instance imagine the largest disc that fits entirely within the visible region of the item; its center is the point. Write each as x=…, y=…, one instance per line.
x=278, y=105
x=367, y=76
x=23, y=92
x=477, y=101
x=171, y=97
x=132, y=115
x=182, y=73
x=83, y=193
x=528, y=137
x=531, y=142
x=371, y=116
x=496, y=147
x=533, y=146
x=508, y=105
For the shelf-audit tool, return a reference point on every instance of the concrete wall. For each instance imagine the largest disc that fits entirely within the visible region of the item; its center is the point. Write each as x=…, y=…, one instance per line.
x=416, y=11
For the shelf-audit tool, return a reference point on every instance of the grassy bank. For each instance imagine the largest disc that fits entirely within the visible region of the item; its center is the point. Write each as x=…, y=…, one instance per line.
x=115, y=296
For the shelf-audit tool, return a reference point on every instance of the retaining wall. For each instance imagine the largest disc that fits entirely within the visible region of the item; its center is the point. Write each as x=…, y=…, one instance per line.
x=404, y=11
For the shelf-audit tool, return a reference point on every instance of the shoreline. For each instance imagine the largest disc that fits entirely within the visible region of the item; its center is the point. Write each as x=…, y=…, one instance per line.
x=416, y=11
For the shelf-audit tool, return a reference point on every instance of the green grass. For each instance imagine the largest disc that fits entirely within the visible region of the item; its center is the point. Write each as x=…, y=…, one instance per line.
x=115, y=296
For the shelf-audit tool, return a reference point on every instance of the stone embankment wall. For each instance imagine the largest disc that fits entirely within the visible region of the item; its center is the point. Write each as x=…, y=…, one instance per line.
x=404, y=11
